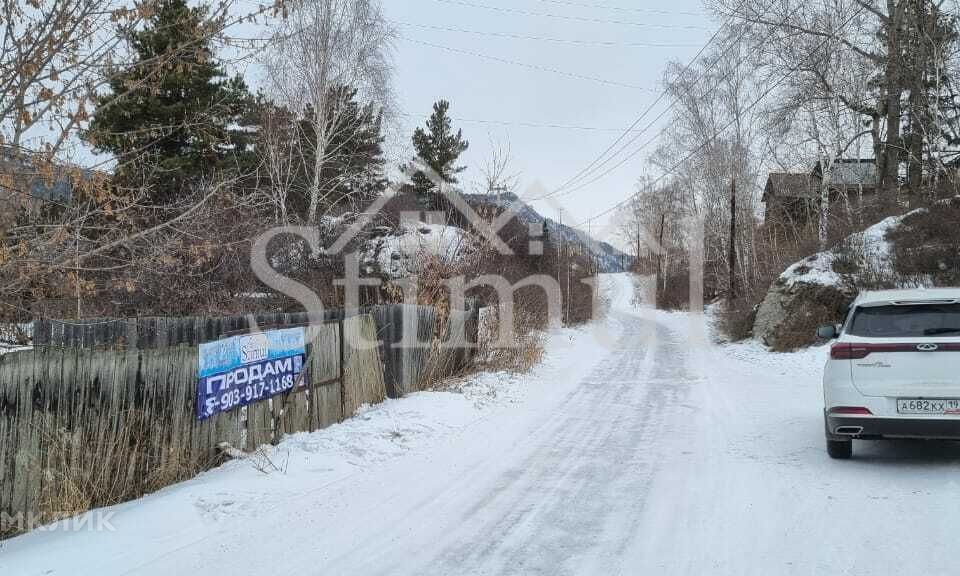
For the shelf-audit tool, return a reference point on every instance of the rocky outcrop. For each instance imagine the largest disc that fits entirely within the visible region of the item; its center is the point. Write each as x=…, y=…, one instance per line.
x=790, y=313
x=819, y=289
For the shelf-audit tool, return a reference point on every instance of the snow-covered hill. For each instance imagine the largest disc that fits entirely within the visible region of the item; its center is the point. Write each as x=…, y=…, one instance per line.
x=414, y=247
x=608, y=258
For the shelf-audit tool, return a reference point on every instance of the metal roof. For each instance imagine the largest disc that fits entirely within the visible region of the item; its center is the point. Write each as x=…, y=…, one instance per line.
x=846, y=173
x=851, y=172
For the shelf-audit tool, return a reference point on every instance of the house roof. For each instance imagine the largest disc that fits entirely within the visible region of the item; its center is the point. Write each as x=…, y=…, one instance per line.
x=846, y=172
x=789, y=185
x=851, y=172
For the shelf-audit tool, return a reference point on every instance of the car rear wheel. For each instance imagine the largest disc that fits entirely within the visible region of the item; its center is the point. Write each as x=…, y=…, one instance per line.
x=840, y=449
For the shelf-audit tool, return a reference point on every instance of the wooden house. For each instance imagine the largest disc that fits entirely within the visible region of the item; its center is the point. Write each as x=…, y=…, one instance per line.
x=794, y=198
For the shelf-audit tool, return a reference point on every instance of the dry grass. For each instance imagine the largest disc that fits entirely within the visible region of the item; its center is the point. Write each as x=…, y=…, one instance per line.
x=926, y=247
x=777, y=247
x=525, y=352
x=263, y=461
x=93, y=467
x=737, y=316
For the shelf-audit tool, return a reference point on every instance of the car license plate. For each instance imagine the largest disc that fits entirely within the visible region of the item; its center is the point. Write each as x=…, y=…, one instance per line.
x=942, y=406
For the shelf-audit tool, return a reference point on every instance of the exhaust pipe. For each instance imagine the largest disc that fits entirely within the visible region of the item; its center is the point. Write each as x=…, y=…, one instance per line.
x=849, y=430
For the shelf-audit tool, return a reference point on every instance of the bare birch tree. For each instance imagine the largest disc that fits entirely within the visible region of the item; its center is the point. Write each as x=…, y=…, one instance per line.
x=714, y=124
x=898, y=46
x=497, y=172
x=278, y=146
x=320, y=48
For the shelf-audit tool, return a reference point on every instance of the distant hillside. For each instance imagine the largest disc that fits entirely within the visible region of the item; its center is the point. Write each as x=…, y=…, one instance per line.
x=608, y=258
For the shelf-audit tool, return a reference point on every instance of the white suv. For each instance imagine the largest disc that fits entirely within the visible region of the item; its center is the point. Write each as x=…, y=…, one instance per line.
x=894, y=370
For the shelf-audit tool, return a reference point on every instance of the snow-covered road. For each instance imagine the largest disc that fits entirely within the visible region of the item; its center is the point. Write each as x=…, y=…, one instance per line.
x=634, y=449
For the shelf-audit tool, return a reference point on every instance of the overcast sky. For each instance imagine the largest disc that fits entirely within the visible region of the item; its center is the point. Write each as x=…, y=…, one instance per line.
x=559, y=80
x=597, y=86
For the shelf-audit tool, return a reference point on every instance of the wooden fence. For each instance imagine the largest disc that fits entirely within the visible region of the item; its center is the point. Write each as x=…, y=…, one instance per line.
x=81, y=428
x=415, y=347
x=157, y=331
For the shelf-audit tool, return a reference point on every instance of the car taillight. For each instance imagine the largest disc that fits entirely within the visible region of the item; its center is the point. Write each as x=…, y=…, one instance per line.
x=849, y=352
x=858, y=410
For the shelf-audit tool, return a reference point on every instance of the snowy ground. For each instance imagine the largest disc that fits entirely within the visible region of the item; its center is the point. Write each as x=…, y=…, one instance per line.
x=634, y=449
x=10, y=334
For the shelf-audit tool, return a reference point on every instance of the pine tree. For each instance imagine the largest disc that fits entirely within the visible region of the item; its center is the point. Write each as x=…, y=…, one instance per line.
x=174, y=109
x=438, y=148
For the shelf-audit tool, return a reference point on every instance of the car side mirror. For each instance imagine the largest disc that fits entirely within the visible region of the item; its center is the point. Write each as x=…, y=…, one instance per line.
x=827, y=332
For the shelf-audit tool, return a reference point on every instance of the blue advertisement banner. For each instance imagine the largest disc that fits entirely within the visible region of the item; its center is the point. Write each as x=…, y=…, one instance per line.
x=245, y=369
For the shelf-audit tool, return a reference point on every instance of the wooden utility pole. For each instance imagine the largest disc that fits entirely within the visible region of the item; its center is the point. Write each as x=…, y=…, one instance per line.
x=732, y=258
x=637, y=263
x=593, y=266
x=663, y=221
x=561, y=266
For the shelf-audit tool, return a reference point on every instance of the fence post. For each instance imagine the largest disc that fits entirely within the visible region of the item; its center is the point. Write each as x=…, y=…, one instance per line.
x=342, y=369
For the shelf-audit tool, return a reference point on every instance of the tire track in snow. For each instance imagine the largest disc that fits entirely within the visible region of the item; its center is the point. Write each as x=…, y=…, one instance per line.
x=571, y=503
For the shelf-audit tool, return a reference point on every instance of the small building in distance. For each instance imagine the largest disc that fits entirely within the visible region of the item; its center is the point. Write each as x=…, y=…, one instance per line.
x=28, y=181
x=789, y=198
x=793, y=198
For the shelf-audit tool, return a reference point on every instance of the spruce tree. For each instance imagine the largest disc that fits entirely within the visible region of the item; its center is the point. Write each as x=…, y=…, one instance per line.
x=438, y=148
x=173, y=114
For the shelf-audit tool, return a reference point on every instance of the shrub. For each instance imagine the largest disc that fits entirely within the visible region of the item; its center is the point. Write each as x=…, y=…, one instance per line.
x=926, y=246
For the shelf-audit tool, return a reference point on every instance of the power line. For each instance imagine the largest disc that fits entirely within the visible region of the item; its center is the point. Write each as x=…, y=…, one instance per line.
x=620, y=8
x=634, y=153
x=602, y=160
x=724, y=128
x=526, y=65
x=522, y=124
x=587, y=19
x=582, y=185
x=578, y=42
x=599, y=161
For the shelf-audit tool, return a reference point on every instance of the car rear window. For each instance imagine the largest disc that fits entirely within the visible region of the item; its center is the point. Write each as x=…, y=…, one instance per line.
x=906, y=321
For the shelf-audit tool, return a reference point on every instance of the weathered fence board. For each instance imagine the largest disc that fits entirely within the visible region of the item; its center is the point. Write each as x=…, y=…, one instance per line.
x=362, y=380
x=409, y=337
x=324, y=365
